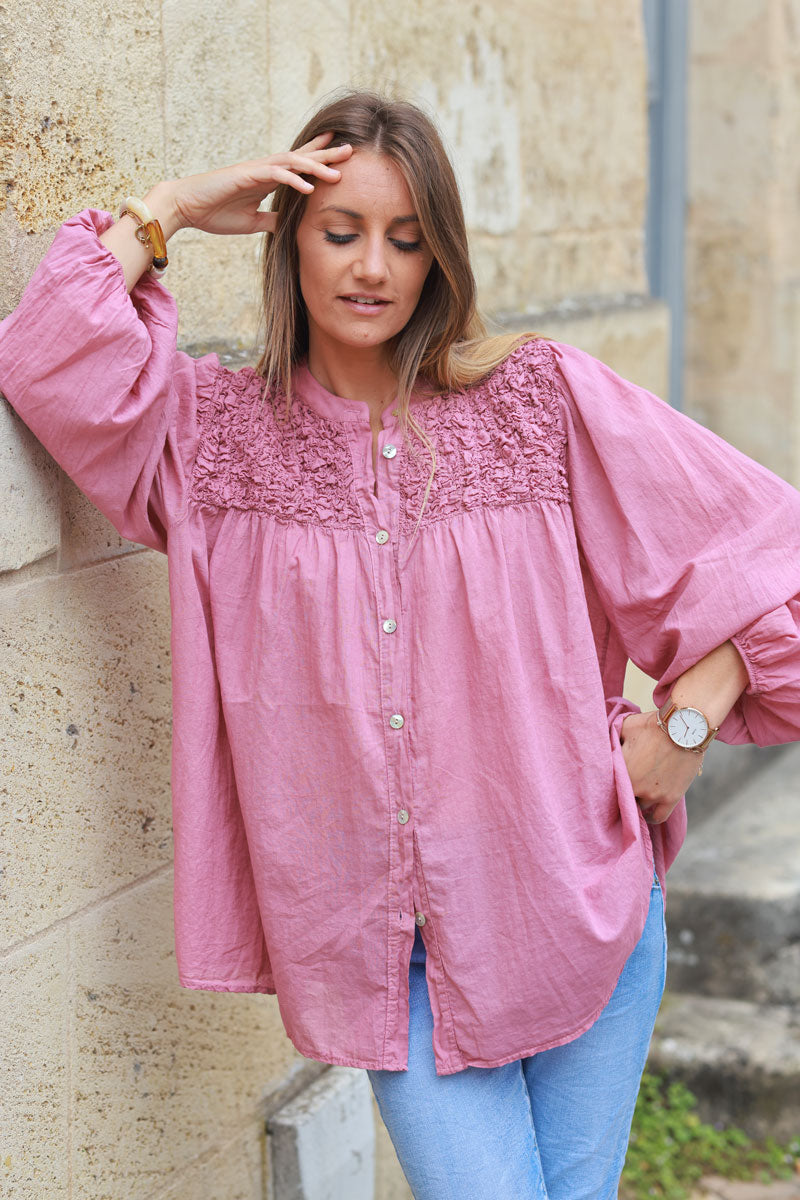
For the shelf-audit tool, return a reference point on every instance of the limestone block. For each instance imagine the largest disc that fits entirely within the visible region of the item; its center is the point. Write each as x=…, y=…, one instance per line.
x=475, y=103
x=20, y=253
x=29, y=508
x=238, y=1171
x=741, y=376
x=728, y=301
x=639, y=687
x=83, y=133
x=34, y=1075
x=323, y=1141
x=216, y=284
x=787, y=170
x=585, y=158
x=734, y=32
x=628, y=333
x=86, y=764
x=165, y=1078
x=309, y=56
x=216, y=84
x=87, y=536
x=520, y=272
x=553, y=184
x=731, y=154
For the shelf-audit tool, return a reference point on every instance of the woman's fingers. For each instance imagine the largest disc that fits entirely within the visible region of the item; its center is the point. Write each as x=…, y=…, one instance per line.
x=320, y=140
x=287, y=168
x=221, y=201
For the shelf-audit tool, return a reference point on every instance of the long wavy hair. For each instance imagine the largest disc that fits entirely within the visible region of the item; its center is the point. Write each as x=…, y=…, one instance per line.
x=444, y=346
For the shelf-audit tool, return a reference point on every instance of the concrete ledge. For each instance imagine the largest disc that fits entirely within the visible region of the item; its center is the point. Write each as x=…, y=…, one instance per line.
x=733, y=905
x=323, y=1141
x=742, y=1060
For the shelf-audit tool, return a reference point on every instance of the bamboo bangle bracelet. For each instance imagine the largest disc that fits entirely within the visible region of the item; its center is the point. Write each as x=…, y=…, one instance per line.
x=148, y=232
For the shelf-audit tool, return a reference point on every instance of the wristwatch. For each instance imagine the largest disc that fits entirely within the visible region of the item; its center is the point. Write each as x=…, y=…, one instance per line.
x=687, y=727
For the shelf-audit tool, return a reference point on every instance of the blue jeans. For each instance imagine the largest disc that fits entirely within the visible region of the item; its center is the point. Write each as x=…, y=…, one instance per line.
x=554, y=1126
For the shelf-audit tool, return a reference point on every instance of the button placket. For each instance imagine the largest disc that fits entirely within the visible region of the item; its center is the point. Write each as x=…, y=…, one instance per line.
x=381, y=511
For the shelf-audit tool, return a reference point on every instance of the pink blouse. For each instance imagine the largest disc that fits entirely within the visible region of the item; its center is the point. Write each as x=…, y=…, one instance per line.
x=371, y=731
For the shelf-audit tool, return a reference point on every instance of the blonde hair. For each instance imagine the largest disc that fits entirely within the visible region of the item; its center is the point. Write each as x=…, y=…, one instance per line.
x=445, y=342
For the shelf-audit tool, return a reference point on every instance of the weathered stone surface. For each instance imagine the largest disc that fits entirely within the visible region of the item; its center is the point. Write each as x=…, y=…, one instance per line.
x=722, y=193
x=86, y=765
x=216, y=285
x=551, y=181
x=29, y=494
x=34, y=1069
x=81, y=135
x=733, y=908
x=216, y=84
x=238, y=1171
x=715, y=1188
x=630, y=333
x=164, y=1077
x=733, y=32
x=310, y=48
x=20, y=250
x=742, y=240
x=742, y=1060
x=87, y=536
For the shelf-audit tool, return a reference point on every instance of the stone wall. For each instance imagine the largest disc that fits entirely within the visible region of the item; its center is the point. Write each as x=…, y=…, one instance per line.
x=743, y=227
x=120, y=1085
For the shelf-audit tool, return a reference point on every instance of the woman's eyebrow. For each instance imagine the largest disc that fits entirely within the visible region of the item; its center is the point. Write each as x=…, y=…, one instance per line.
x=348, y=212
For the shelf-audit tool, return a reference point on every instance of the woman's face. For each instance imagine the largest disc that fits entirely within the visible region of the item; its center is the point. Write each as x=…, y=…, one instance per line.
x=359, y=237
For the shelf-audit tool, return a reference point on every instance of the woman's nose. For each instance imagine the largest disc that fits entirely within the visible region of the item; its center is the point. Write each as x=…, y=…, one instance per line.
x=371, y=264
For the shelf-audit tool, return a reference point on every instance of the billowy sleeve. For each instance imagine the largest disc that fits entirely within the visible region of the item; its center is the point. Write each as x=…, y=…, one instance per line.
x=96, y=376
x=689, y=543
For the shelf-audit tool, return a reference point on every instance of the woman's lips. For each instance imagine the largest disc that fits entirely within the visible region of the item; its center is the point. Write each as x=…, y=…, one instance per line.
x=365, y=310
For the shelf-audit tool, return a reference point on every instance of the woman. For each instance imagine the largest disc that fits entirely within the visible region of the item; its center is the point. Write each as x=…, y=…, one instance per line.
x=408, y=564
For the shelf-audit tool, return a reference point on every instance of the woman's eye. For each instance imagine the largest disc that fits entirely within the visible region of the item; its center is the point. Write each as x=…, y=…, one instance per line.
x=341, y=239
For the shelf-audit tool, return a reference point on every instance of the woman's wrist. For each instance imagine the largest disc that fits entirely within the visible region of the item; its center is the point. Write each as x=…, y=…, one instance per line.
x=713, y=684
x=161, y=202
x=120, y=238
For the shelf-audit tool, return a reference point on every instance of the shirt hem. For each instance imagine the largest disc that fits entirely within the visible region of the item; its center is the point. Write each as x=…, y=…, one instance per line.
x=227, y=985
x=560, y=1039
x=538, y=1048
x=450, y=1068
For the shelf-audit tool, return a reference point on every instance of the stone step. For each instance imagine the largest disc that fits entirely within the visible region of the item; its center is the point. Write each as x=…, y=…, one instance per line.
x=733, y=895
x=714, y=1188
x=741, y=1060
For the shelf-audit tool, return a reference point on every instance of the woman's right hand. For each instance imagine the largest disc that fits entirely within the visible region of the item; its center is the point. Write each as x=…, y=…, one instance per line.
x=226, y=201
x=223, y=201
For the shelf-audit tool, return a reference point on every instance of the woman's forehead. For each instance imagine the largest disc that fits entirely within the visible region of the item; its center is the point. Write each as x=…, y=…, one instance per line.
x=371, y=185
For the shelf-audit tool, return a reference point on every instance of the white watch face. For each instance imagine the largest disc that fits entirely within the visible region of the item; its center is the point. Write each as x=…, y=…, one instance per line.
x=688, y=727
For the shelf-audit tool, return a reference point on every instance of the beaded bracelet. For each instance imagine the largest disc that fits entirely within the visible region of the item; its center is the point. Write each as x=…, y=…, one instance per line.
x=148, y=232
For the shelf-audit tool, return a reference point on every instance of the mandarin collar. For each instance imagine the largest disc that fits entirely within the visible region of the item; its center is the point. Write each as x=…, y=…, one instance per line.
x=333, y=407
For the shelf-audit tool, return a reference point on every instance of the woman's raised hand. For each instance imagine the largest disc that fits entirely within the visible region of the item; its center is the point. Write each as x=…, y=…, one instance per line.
x=227, y=200
x=223, y=201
